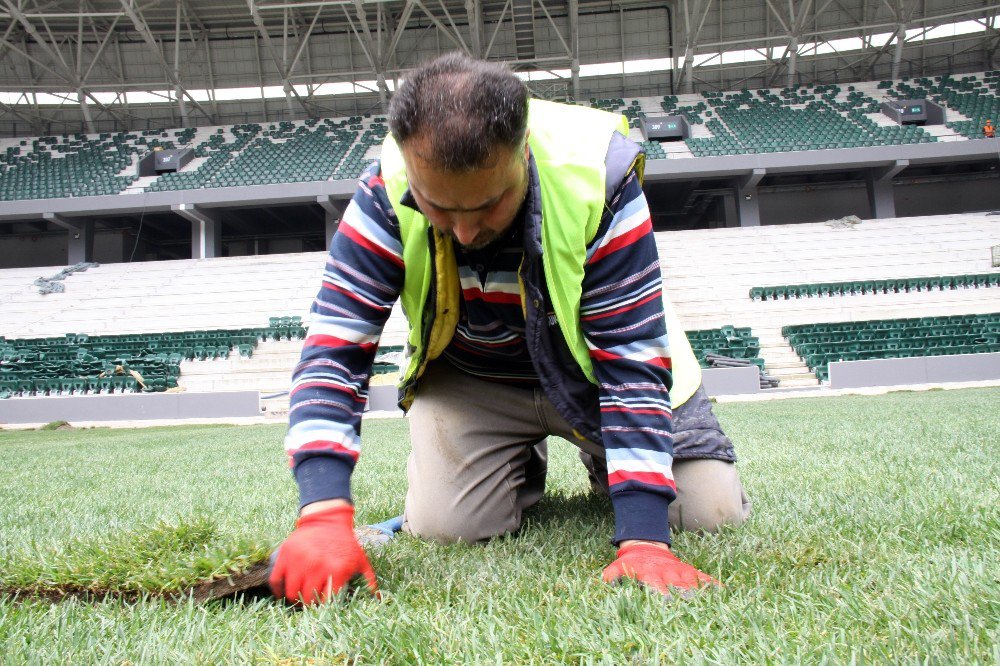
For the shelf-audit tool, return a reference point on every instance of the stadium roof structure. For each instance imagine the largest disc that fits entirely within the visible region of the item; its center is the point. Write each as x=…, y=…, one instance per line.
x=107, y=65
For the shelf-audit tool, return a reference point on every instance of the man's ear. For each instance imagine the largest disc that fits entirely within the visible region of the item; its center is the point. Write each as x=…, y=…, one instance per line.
x=527, y=133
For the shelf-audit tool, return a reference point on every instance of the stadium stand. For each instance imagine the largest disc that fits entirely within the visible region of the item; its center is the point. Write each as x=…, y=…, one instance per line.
x=939, y=266
x=224, y=296
x=76, y=364
x=708, y=275
x=723, y=123
x=78, y=164
x=820, y=344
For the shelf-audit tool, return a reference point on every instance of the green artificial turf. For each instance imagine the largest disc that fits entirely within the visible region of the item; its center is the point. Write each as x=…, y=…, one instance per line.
x=875, y=536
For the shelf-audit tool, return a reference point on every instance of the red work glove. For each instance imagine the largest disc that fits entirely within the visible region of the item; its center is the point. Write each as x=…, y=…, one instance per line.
x=655, y=567
x=320, y=557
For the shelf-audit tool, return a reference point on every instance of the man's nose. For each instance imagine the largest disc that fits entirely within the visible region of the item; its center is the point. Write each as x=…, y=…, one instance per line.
x=465, y=230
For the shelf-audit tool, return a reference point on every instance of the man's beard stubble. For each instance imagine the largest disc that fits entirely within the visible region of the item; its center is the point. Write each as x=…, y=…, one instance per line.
x=482, y=240
x=488, y=236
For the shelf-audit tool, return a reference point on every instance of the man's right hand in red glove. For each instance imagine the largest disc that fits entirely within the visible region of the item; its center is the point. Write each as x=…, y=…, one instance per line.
x=656, y=567
x=320, y=556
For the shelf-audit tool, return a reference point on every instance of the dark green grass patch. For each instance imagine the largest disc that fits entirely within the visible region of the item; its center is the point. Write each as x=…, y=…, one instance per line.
x=874, y=536
x=57, y=425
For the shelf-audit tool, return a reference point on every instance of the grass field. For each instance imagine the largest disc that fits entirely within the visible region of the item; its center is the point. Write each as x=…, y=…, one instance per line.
x=875, y=536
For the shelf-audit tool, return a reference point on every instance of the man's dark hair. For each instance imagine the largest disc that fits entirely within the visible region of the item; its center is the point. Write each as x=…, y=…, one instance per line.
x=463, y=108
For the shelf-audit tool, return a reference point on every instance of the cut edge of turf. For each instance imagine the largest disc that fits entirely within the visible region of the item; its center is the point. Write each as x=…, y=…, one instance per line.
x=250, y=582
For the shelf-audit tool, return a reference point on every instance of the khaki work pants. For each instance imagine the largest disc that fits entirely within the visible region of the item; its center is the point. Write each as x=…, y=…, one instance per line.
x=478, y=460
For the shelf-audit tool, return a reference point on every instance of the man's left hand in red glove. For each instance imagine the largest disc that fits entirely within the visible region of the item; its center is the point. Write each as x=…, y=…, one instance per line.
x=655, y=566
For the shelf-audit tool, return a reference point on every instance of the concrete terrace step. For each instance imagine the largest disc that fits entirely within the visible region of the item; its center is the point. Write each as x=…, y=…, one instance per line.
x=797, y=379
x=252, y=383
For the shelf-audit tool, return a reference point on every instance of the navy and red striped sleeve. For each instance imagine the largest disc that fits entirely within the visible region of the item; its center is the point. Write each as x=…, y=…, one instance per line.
x=623, y=322
x=361, y=281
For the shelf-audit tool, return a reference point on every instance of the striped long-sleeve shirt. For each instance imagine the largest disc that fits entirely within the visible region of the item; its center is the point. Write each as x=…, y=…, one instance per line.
x=621, y=315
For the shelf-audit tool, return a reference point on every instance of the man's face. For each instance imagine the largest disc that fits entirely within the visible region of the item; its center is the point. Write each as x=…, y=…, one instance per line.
x=474, y=207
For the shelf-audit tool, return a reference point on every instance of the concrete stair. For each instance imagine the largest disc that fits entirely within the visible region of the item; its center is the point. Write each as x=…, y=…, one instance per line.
x=269, y=370
x=781, y=361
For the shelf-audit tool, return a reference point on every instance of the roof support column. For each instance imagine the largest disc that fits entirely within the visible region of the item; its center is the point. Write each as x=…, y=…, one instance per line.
x=901, y=15
x=80, y=241
x=745, y=192
x=793, y=57
x=206, y=230
x=897, y=53
x=178, y=92
x=372, y=51
x=85, y=110
x=333, y=211
x=686, y=82
x=574, y=45
x=881, y=196
x=286, y=87
x=474, y=11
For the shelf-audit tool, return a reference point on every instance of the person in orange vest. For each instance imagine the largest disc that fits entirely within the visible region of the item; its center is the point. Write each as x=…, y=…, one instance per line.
x=988, y=130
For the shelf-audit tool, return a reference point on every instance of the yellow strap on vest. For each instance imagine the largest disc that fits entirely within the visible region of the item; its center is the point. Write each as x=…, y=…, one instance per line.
x=420, y=269
x=685, y=369
x=569, y=145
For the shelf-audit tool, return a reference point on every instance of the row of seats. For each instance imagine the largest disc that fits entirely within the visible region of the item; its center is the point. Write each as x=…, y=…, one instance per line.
x=729, y=341
x=892, y=324
x=38, y=385
x=80, y=363
x=821, y=344
x=39, y=373
x=738, y=343
x=887, y=286
x=388, y=359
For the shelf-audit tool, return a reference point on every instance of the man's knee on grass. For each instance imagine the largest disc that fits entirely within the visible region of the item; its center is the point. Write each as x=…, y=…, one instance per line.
x=452, y=527
x=710, y=496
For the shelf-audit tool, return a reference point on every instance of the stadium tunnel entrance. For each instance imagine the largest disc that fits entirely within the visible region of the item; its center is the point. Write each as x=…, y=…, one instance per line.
x=684, y=201
x=162, y=236
x=817, y=196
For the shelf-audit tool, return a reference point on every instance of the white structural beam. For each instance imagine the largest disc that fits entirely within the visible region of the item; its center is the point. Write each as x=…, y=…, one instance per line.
x=80, y=237
x=333, y=211
x=206, y=230
x=574, y=45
